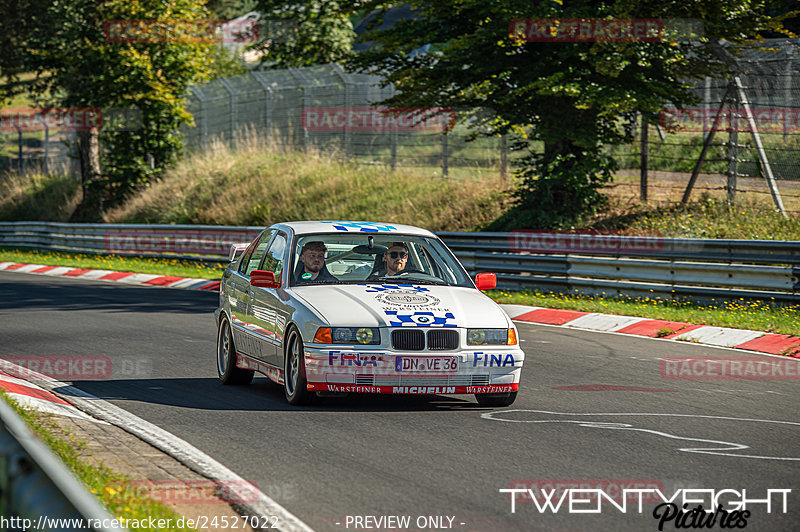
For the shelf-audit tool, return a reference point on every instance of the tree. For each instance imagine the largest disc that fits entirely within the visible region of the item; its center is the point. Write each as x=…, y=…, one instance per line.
x=306, y=33
x=569, y=96
x=78, y=63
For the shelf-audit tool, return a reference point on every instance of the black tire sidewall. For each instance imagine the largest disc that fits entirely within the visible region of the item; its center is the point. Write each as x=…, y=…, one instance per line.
x=301, y=394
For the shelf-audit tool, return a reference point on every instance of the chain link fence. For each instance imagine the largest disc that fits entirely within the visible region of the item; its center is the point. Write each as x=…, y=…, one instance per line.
x=668, y=152
x=42, y=151
x=326, y=108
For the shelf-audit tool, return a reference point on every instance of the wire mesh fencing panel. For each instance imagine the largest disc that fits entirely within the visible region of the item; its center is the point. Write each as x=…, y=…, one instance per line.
x=325, y=108
x=764, y=114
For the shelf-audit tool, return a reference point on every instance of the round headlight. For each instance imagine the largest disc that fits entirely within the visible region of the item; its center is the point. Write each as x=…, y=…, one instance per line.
x=364, y=336
x=476, y=337
x=341, y=335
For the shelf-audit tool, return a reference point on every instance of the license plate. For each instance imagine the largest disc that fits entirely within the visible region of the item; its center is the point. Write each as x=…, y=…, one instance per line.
x=425, y=364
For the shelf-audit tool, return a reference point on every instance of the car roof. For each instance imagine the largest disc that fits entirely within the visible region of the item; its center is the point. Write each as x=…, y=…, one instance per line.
x=346, y=226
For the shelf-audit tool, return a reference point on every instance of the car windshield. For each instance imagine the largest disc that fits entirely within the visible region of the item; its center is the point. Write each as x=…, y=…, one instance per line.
x=382, y=259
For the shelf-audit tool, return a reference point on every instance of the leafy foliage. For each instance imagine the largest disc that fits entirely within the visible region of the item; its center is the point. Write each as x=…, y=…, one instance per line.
x=310, y=32
x=572, y=96
x=78, y=66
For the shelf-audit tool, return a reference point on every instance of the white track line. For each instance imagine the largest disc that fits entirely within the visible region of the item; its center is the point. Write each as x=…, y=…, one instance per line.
x=190, y=456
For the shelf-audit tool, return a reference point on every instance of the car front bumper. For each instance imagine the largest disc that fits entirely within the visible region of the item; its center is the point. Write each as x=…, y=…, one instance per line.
x=363, y=370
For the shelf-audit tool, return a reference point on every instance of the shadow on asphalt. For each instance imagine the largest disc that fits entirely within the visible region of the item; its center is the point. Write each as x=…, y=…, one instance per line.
x=37, y=292
x=261, y=395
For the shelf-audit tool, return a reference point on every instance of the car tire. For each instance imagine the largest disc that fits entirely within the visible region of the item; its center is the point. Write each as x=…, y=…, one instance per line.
x=496, y=399
x=295, y=385
x=226, y=358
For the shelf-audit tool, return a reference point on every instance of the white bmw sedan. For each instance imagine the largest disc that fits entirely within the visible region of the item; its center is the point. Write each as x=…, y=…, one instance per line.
x=330, y=308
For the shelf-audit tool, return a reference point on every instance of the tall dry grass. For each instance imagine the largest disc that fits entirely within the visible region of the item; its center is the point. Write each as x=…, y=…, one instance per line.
x=259, y=184
x=34, y=196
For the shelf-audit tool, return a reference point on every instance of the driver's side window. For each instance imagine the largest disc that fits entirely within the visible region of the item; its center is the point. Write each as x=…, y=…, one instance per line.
x=273, y=261
x=252, y=257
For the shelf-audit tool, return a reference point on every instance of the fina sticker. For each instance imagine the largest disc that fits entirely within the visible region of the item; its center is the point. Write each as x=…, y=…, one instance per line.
x=307, y=276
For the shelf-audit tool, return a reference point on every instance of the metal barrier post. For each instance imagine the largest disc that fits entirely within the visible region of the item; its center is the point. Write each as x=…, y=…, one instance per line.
x=37, y=485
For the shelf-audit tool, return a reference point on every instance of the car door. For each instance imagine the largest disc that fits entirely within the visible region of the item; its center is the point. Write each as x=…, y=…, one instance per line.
x=240, y=290
x=267, y=312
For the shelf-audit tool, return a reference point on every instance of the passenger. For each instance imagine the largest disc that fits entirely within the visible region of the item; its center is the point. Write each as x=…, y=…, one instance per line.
x=312, y=264
x=395, y=258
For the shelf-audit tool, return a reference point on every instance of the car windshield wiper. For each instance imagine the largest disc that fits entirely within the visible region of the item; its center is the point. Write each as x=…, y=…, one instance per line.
x=408, y=280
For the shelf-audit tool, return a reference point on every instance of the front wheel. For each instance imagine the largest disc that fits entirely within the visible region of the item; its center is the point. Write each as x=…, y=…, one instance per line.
x=496, y=399
x=295, y=385
x=226, y=358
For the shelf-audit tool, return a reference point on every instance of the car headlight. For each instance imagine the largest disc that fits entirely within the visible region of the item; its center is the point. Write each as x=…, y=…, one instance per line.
x=491, y=337
x=356, y=335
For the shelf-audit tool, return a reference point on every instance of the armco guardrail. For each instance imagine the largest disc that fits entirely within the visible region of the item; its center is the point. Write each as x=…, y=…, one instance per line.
x=635, y=266
x=37, y=492
x=610, y=264
x=203, y=242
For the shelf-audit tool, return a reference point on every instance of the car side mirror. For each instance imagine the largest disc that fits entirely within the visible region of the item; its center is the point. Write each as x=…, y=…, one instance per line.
x=485, y=281
x=263, y=279
x=236, y=251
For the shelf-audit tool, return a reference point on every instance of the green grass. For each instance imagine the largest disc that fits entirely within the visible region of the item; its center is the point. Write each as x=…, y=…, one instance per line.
x=760, y=316
x=678, y=152
x=38, y=197
x=707, y=217
x=175, y=267
x=261, y=185
x=739, y=314
x=114, y=490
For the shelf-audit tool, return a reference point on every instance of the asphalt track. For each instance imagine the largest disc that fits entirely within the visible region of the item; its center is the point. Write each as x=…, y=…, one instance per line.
x=439, y=456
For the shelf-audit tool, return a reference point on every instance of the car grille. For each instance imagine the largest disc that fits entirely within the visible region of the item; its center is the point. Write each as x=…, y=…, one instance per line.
x=444, y=380
x=408, y=340
x=442, y=340
x=414, y=340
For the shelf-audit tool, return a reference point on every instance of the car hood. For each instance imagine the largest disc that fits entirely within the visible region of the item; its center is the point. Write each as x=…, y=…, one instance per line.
x=391, y=305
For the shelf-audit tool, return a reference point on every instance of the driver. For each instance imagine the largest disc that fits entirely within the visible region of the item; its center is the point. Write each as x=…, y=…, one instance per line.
x=312, y=257
x=395, y=258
